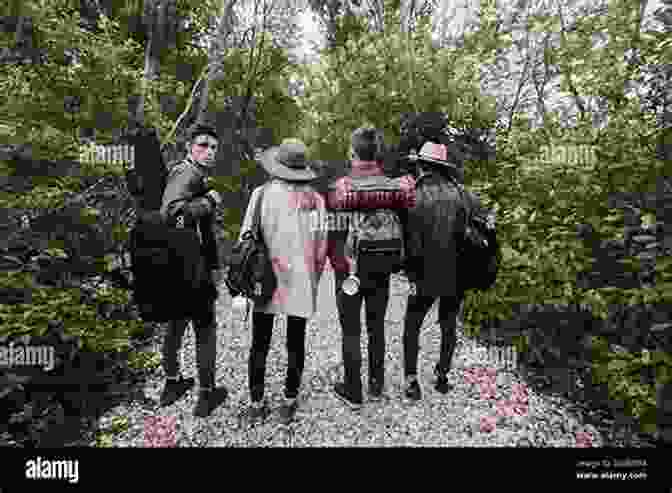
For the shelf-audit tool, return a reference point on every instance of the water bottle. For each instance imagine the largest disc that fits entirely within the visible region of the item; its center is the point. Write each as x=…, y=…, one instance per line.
x=351, y=285
x=240, y=306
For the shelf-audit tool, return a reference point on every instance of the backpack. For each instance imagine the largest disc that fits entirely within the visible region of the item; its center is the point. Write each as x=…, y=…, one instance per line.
x=375, y=242
x=167, y=265
x=168, y=271
x=250, y=270
x=479, y=253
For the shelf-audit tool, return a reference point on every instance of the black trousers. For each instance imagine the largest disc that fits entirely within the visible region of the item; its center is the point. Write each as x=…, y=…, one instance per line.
x=416, y=311
x=375, y=291
x=205, y=328
x=262, y=330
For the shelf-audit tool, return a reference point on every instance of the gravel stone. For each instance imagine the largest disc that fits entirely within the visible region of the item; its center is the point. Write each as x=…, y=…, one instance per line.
x=451, y=420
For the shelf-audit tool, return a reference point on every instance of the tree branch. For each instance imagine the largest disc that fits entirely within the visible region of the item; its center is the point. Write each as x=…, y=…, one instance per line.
x=568, y=75
x=190, y=103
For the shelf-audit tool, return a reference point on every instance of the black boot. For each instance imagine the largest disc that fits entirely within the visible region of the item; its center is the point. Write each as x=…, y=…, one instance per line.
x=412, y=390
x=175, y=389
x=209, y=400
x=441, y=385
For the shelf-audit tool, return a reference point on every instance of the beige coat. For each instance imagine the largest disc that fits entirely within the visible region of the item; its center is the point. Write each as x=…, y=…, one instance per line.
x=297, y=244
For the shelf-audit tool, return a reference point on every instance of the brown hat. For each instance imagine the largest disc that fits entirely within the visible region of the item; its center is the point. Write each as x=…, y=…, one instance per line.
x=288, y=161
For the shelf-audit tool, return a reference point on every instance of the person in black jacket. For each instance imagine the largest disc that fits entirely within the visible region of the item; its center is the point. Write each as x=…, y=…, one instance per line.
x=433, y=228
x=188, y=204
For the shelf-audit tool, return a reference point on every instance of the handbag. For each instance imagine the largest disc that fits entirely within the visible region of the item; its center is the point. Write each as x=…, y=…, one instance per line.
x=250, y=269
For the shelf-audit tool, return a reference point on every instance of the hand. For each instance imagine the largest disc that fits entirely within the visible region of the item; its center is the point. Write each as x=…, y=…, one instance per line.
x=214, y=195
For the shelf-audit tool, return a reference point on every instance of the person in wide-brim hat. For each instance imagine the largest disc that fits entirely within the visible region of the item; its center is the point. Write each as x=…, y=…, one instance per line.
x=437, y=154
x=288, y=161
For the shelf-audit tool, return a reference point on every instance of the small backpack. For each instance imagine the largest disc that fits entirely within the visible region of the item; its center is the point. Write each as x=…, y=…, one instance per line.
x=375, y=242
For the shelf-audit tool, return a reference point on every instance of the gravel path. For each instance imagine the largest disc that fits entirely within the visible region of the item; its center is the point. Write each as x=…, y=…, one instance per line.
x=488, y=407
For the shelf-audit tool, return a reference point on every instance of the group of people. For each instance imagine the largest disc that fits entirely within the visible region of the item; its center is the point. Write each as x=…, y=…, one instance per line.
x=431, y=212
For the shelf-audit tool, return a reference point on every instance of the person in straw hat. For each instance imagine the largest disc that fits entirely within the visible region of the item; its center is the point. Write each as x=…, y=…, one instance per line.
x=297, y=248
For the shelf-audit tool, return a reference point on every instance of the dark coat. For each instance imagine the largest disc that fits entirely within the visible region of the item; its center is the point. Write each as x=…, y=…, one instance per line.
x=171, y=265
x=432, y=231
x=184, y=194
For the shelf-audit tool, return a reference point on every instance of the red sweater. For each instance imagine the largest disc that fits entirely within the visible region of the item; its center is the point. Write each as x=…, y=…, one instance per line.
x=361, y=189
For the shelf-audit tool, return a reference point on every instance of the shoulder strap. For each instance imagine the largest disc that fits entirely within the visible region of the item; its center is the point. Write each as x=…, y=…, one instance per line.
x=256, y=218
x=465, y=201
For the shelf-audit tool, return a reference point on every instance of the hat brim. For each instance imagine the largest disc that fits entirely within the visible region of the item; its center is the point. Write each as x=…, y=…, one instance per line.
x=274, y=168
x=446, y=165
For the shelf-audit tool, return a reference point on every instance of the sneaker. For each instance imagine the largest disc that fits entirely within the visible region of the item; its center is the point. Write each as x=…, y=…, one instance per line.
x=342, y=394
x=441, y=384
x=288, y=411
x=412, y=390
x=174, y=390
x=256, y=412
x=209, y=400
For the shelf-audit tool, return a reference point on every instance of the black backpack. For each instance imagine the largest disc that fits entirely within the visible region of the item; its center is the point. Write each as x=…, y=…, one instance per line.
x=478, y=249
x=250, y=270
x=167, y=264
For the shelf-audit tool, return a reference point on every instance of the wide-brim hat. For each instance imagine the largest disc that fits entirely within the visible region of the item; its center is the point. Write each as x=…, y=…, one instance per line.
x=434, y=153
x=288, y=161
x=437, y=154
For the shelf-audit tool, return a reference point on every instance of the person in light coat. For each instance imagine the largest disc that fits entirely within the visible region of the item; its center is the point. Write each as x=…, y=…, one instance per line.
x=291, y=210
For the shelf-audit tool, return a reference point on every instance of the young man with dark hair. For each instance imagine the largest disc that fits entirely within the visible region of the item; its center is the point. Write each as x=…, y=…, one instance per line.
x=188, y=204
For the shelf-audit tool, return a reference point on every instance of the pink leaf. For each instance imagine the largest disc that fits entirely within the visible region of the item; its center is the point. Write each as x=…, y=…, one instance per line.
x=488, y=391
x=160, y=431
x=488, y=424
x=583, y=439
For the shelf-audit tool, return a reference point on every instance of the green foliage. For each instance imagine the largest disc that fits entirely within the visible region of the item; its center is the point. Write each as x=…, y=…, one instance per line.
x=374, y=77
x=141, y=360
x=81, y=317
x=100, y=62
x=623, y=372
